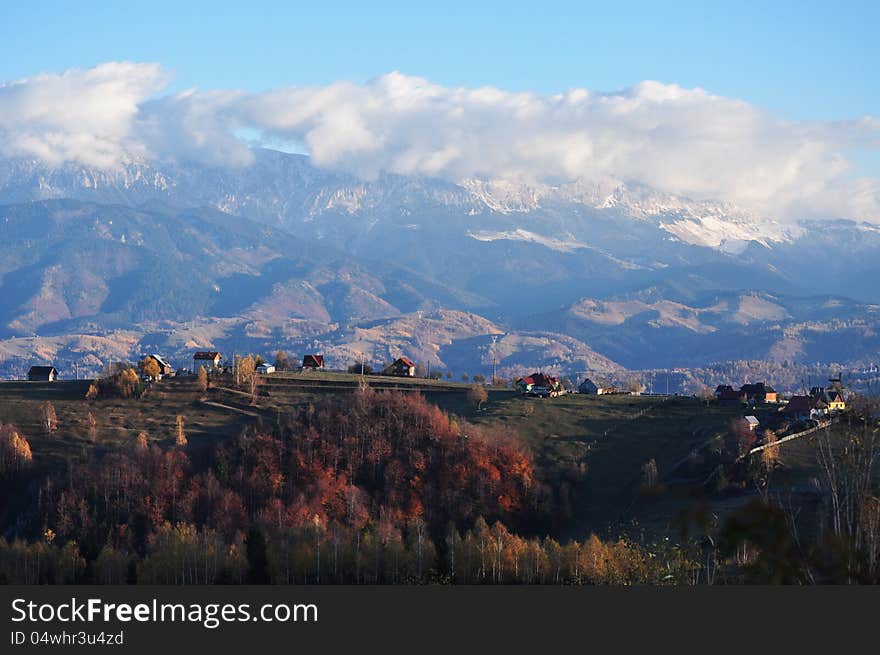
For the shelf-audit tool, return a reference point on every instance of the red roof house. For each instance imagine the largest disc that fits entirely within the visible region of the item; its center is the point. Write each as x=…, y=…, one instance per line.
x=401, y=367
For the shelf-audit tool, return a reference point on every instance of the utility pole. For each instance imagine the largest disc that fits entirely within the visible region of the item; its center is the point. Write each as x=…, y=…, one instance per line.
x=494, y=361
x=76, y=370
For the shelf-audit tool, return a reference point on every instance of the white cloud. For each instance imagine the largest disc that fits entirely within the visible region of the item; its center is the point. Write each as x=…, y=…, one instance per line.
x=79, y=115
x=683, y=141
x=193, y=126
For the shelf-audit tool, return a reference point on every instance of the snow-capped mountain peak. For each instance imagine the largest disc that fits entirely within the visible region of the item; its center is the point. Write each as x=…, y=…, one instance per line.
x=287, y=190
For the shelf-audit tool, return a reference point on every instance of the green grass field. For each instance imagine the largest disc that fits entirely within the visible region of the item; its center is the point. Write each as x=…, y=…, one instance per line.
x=603, y=442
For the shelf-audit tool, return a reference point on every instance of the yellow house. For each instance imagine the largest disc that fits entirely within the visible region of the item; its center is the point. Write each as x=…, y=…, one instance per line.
x=836, y=403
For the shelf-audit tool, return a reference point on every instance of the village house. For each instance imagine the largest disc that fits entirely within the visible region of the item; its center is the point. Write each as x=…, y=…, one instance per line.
x=805, y=407
x=751, y=423
x=730, y=396
x=402, y=367
x=759, y=393
x=207, y=359
x=539, y=384
x=42, y=374
x=165, y=369
x=721, y=389
x=748, y=394
x=832, y=396
x=313, y=362
x=835, y=401
x=265, y=369
x=590, y=387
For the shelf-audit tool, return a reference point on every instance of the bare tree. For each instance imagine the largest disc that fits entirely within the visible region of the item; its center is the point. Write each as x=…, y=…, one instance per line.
x=763, y=463
x=477, y=395
x=847, y=460
x=634, y=385
x=706, y=395
x=92, y=427
x=650, y=476
x=48, y=417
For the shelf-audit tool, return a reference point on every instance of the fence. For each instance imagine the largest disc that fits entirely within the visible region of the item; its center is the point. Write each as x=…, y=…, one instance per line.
x=790, y=437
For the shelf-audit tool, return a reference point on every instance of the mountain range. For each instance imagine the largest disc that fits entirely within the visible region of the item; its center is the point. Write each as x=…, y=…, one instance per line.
x=575, y=278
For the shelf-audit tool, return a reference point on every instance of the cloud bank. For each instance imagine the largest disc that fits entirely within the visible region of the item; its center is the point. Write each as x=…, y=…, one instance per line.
x=80, y=115
x=683, y=141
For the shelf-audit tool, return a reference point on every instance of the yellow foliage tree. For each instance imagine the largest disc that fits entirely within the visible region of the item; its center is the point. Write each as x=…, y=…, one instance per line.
x=246, y=374
x=180, y=435
x=15, y=451
x=150, y=368
x=203, y=379
x=770, y=454
x=245, y=369
x=140, y=443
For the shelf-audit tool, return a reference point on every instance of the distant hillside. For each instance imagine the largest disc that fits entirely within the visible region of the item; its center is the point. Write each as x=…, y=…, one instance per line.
x=90, y=283
x=645, y=330
x=572, y=278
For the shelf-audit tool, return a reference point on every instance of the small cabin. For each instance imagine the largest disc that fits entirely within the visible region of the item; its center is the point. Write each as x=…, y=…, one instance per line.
x=42, y=374
x=165, y=369
x=207, y=359
x=402, y=367
x=751, y=423
x=596, y=388
x=265, y=369
x=313, y=362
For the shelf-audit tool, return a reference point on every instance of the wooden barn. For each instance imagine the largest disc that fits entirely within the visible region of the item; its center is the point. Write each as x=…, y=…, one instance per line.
x=313, y=362
x=42, y=374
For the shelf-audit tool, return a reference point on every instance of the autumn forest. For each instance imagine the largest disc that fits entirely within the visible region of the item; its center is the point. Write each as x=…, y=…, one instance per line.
x=375, y=486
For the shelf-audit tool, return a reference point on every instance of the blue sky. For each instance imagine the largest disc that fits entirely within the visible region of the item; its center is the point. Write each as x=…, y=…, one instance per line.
x=800, y=60
x=771, y=106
